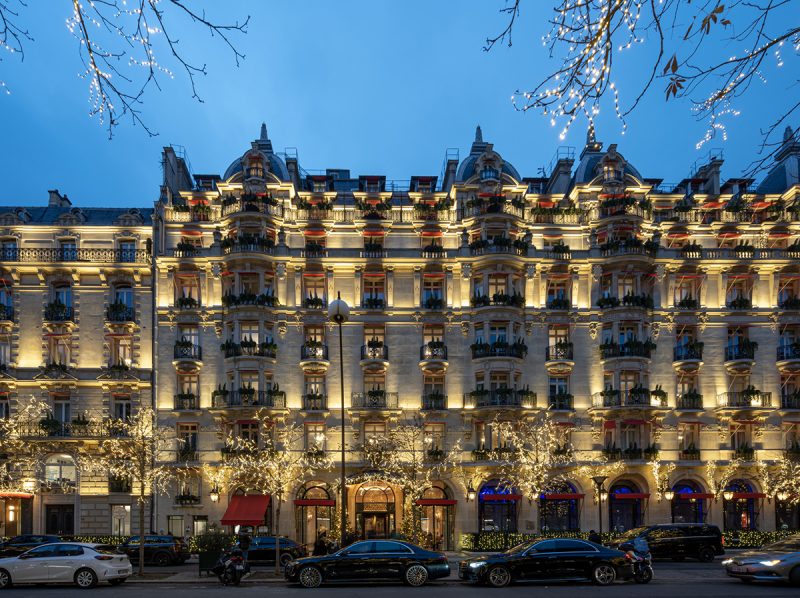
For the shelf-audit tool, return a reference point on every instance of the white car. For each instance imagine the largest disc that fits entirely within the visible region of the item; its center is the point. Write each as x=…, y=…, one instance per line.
x=66, y=562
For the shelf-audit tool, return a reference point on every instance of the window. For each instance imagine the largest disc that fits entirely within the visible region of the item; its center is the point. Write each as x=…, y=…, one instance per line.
x=4, y=407
x=314, y=288
x=5, y=350
x=374, y=382
x=187, y=438
x=685, y=290
x=249, y=283
x=626, y=285
x=122, y=351
x=375, y=430
x=8, y=249
x=499, y=380
x=62, y=295
x=689, y=436
x=175, y=525
x=394, y=547
x=60, y=469
x=190, y=334
x=557, y=290
x=59, y=348
x=498, y=333
x=199, y=525
x=188, y=384
x=558, y=385
x=123, y=295
x=120, y=520
x=498, y=284
x=433, y=384
x=375, y=334
x=187, y=289
x=249, y=431
x=627, y=332
x=315, y=385
x=249, y=379
x=740, y=436
x=61, y=409
x=361, y=548
x=738, y=289
x=122, y=407
x=374, y=290
x=557, y=335
x=628, y=380
x=315, y=437
x=68, y=250
x=434, y=436
x=432, y=291
x=249, y=331
x=189, y=486
x=127, y=250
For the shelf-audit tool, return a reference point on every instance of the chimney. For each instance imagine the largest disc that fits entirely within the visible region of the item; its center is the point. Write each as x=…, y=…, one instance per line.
x=57, y=201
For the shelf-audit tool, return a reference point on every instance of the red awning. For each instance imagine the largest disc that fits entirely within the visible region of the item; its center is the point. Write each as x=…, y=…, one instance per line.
x=609, y=425
x=712, y=205
x=566, y=424
x=314, y=233
x=745, y=495
x=729, y=235
x=16, y=495
x=246, y=510
x=638, y=422
x=314, y=502
x=432, y=502
x=433, y=274
x=191, y=233
x=677, y=234
x=499, y=497
x=690, y=495
x=630, y=495
x=563, y=496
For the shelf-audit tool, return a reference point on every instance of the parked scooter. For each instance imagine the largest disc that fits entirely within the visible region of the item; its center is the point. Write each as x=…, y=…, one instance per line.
x=230, y=567
x=642, y=563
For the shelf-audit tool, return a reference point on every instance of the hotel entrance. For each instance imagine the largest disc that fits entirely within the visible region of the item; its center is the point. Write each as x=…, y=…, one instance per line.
x=375, y=511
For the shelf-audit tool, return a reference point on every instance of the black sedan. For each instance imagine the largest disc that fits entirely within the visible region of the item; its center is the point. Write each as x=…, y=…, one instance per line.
x=370, y=560
x=551, y=560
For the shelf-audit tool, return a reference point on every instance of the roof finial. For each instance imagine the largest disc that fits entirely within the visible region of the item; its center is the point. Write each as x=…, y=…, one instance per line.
x=478, y=134
x=787, y=133
x=590, y=134
x=263, y=136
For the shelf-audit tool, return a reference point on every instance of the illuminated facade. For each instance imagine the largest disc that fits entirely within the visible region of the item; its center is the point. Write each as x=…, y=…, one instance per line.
x=650, y=320
x=75, y=334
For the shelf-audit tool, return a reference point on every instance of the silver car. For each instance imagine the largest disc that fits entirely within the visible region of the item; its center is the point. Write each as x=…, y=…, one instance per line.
x=775, y=562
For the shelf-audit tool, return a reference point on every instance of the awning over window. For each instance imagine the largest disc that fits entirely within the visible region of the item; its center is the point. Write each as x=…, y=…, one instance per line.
x=500, y=497
x=630, y=495
x=428, y=502
x=563, y=496
x=314, y=502
x=16, y=495
x=246, y=510
x=746, y=495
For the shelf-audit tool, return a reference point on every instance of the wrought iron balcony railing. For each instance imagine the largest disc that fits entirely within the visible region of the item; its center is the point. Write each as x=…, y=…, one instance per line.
x=50, y=255
x=375, y=399
x=744, y=399
x=500, y=397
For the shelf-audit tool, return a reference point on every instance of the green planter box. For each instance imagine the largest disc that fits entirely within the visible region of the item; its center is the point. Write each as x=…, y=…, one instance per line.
x=208, y=560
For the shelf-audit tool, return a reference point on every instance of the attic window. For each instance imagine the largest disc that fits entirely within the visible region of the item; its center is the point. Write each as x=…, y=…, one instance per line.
x=489, y=174
x=318, y=186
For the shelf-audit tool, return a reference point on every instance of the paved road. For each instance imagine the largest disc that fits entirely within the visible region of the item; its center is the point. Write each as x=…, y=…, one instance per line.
x=673, y=580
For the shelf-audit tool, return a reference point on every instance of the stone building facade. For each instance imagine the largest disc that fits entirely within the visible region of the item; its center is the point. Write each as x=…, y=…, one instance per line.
x=648, y=320
x=76, y=333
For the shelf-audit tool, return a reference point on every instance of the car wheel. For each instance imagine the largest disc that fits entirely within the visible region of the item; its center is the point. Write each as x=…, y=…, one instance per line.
x=5, y=579
x=161, y=559
x=85, y=578
x=794, y=576
x=286, y=558
x=116, y=582
x=706, y=554
x=604, y=574
x=499, y=577
x=310, y=577
x=416, y=575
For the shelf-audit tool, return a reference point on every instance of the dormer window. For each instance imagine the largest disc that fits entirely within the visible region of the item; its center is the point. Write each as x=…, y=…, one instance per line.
x=318, y=186
x=68, y=250
x=612, y=171
x=489, y=173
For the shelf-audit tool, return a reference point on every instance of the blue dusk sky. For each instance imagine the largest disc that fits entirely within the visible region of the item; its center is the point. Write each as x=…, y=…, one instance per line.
x=376, y=87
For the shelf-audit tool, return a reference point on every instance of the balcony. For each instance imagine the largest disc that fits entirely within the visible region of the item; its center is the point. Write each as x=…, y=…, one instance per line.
x=559, y=303
x=249, y=348
x=687, y=357
x=744, y=399
x=314, y=252
x=187, y=454
x=517, y=350
x=49, y=428
x=689, y=454
x=641, y=301
x=315, y=401
x=788, y=357
x=267, y=299
x=314, y=356
x=374, y=357
x=314, y=302
x=433, y=302
x=629, y=247
x=187, y=351
x=433, y=357
x=740, y=357
x=559, y=357
x=638, y=397
x=745, y=453
x=739, y=304
x=58, y=312
x=375, y=400
x=687, y=304
x=257, y=245
x=791, y=401
x=790, y=303
x=186, y=303
x=186, y=401
x=498, y=245
x=630, y=349
x=251, y=204
x=498, y=299
x=249, y=397
x=6, y=313
x=373, y=303
x=690, y=401
x=561, y=402
x=99, y=256
x=119, y=313
x=500, y=398
x=434, y=401
x=632, y=453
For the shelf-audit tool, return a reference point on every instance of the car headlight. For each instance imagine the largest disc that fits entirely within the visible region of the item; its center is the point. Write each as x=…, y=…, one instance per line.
x=771, y=563
x=727, y=561
x=477, y=565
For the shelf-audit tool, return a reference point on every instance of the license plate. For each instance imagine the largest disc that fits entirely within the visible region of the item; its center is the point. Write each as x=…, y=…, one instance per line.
x=240, y=567
x=122, y=571
x=739, y=570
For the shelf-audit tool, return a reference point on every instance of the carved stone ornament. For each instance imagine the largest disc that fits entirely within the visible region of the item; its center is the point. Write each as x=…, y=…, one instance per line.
x=593, y=328
x=702, y=321
x=280, y=270
x=530, y=271
x=661, y=271
x=528, y=327
x=417, y=316
x=466, y=271
x=655, y=330
x=597, y=272
x=773, y=321
x=282, y=328
x=465, y=328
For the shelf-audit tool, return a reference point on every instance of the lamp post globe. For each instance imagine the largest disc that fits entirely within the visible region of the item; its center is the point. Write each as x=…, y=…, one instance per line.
x=338, y=310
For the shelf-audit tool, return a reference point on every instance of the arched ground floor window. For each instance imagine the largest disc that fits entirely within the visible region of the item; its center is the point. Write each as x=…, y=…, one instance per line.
x=559, y=509
x=437, y=516
x=625, y=506
x=497, y=508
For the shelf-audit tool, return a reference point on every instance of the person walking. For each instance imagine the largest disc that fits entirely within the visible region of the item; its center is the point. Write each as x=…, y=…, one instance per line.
x=321, y=545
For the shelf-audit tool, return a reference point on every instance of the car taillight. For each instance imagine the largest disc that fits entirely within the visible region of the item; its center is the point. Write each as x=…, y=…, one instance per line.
x=723, y=540
x=104, y=557
x=628, y=556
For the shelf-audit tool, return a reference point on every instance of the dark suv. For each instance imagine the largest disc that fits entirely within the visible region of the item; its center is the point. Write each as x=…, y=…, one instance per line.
x=262, y=550
x=18, y=544
x=158, y=550
x=679, y=540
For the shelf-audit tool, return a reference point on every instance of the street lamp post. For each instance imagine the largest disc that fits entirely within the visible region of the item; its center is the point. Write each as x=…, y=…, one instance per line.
x=339, y=312
x=598, y=482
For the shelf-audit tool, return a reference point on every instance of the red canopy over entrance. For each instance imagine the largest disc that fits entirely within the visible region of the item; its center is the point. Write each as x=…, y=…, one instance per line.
x=246, y=510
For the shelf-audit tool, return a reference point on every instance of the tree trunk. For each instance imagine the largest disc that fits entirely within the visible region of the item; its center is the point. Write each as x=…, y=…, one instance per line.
x=141, y=533
x=277, y=534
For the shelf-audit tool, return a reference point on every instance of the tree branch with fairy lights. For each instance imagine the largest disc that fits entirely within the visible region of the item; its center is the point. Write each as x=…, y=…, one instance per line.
x=119, y=44
x=710, y=53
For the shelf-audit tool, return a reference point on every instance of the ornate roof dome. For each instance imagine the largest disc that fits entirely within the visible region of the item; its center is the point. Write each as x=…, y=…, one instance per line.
x=262, y=145
x=466, y=169
x=592, y=155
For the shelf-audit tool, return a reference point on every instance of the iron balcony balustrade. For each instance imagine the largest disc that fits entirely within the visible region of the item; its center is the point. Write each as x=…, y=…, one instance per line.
x=187, y=454
x=246, y=397
x=789, y=351
x=689, y=454
x=315, y=401
x=232, y=206
x=740, y=352
x=53, y=428
x=255, y=247
x=186, y=401
x=609, y=211
x=56, y=312
x=500, y=397
x=499, y=349
x=187, y=350
x=375, y=399
x=689, y=401
x=688, y=352
x=491, y=209
x=51, y=255
x=562, y=351
x=250, y=349
x=430, y=352
x=376, y=352
x=6, y=313
x=434, y=401
x=745, y=399
x=119, y=313
x=635, y=397
x=631, y=348
x=191, y=214
x=790, y=400
x=561, y=402
x=316, y=351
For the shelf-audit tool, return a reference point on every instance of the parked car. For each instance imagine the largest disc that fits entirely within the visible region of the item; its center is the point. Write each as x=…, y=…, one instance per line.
x=262, y=550
x=678, y=540
x=552, y=560
x=779, y=561
x=370, y=560
x=18, y=544
x=158, y=550
x=66, y=562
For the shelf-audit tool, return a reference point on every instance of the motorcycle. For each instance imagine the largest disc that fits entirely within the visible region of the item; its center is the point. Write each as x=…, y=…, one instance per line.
x=230, y=567
x=642, y=564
